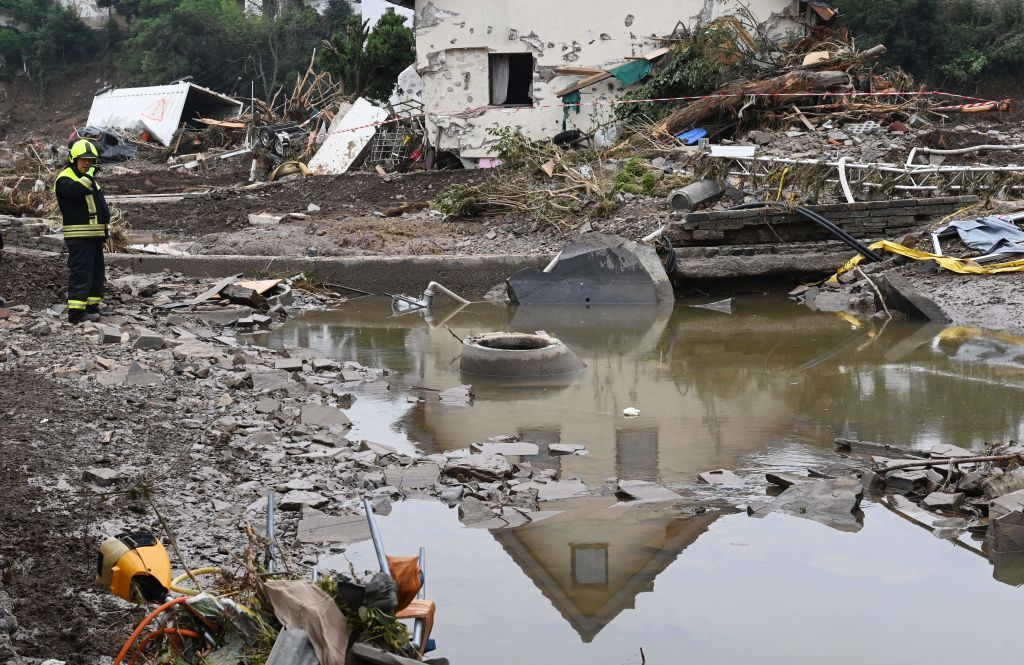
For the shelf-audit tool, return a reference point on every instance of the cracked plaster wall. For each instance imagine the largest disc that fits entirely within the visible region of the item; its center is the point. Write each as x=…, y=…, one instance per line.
x=454, y=38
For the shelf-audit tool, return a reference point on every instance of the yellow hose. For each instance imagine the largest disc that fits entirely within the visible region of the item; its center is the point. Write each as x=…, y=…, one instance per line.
x=185, y=591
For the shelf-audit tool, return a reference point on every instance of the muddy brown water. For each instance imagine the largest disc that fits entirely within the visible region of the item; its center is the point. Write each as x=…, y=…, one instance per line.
x=766, y=388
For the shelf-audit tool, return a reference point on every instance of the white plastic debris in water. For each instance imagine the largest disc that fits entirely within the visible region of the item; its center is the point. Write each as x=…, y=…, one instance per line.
x=631, y=412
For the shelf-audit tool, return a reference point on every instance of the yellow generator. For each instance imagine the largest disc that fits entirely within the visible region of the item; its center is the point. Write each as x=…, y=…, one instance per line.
x=134, y=566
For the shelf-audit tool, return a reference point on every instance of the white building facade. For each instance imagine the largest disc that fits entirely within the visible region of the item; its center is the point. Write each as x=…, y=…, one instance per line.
x=493, y=63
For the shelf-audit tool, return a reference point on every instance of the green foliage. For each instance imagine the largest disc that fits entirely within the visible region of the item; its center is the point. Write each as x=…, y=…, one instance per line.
x=696, y=67
x=951, y=42
x=49, y=39
x=368, y=61
x=635, y=178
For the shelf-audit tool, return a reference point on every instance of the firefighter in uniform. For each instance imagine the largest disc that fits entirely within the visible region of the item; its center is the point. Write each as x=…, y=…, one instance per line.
x=86, y=216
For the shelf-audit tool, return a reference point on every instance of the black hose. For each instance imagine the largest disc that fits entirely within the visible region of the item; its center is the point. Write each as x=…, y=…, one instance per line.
x=839, y=233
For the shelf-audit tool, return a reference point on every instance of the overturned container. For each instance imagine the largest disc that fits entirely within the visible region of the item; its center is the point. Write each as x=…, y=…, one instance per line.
x=518, y=355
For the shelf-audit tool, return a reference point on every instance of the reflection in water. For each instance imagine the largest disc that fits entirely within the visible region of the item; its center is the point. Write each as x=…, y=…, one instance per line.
x=767, y=388
x=592, y=560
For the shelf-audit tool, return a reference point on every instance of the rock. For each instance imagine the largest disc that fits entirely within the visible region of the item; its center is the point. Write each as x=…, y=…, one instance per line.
x=642, y=491
x=1006, y=534
x=452, y=495
x=1006, y=504
x=289, y=364
x=473, y=512
x=296, y=499
x=970, y=483
x=479, y=467
x=513, y=448
x=224, y=316
x=324, y=416
x=271, y=381
x=225, y=400
x=108, y=335
x=148, y=341
x=268, y=405
x=907, y=482
x=137, y=376
x=102, y=477
x=943, y=501
x=324, y=365
x=786, y=479
x=830, y=502
x=1010, y=481
x=720, y=477
x=345, y=529
x=555, y=490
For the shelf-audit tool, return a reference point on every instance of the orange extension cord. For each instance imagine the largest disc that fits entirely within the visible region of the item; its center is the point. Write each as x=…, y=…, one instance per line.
x=181, y=632
x=142, y=625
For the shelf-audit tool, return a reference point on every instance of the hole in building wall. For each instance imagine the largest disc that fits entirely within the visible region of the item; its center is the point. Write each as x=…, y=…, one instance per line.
x=511, y=79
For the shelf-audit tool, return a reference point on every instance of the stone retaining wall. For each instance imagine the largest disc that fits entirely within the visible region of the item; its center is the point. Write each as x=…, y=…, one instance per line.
x=31, y=233
x=868, y=220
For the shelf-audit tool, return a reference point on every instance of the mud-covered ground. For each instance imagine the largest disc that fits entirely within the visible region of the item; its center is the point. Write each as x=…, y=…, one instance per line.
x=32, y=278
x=987, y=301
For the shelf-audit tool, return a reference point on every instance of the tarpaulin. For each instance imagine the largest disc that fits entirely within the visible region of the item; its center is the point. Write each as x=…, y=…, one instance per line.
x=988, y=235
x=572, y=102
x=299, y=604
x=632, y=72
x=963, y=266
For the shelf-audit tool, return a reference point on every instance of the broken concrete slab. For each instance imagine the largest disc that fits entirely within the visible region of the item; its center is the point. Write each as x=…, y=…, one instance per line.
x=643, y=491
x=1006, y=504
x=949, y=450
x=596, y=269
x=457, y=396
x=102, y=477
x=344, y=529
x=296, y=499
x=474, y=512
x=830, y=502
x=510, y=448
x=786, y=479
x=943, y=501
x=324, y=416
x=268, y=405
x=479, y=467
x=561, y=489
x=271, y=381
x=1006, y=534
x=720, y=477
x=289, y=364
x=148, y=341
x=137, y=376
x=420, y=476
x=907, y=482
x=108, y=335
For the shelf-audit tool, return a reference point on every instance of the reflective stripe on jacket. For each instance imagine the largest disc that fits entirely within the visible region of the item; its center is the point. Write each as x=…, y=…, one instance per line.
x=82, y=205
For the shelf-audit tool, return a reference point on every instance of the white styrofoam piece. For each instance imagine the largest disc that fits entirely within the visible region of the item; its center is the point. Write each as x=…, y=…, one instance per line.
x=732, y=150
x=348, y=139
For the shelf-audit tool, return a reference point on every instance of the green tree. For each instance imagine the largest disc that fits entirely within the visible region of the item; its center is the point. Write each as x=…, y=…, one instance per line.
x=369, y=61
x=49, y=39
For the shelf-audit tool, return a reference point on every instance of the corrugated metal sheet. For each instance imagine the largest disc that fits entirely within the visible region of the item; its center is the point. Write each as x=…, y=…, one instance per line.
x=159, y=109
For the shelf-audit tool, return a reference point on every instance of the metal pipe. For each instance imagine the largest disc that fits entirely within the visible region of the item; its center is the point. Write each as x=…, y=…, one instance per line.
x=270, y=532
x=419, y=624
x=935, y=244
x=434, y=288
x=378, y=544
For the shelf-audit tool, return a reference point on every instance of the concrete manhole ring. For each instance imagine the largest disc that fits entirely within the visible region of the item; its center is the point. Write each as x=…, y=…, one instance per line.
x=517, y=355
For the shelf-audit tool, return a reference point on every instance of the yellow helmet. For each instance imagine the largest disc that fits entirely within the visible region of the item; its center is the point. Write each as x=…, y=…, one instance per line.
x=83, y=149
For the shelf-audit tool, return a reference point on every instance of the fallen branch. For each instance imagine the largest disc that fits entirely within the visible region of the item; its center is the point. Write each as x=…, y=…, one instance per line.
x=950, y=460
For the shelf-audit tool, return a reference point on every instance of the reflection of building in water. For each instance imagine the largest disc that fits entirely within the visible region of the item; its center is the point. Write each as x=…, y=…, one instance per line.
x=593, y=560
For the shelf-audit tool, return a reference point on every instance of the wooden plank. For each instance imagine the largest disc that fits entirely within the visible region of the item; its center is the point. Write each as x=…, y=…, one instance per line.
x=221, y=123
x=603, y=75
x=578, y=71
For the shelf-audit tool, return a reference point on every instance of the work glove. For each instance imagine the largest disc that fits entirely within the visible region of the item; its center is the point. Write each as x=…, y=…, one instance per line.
x=93, y=170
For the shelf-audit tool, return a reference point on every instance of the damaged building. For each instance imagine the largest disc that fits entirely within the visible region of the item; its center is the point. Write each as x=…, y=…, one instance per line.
x=518, y=62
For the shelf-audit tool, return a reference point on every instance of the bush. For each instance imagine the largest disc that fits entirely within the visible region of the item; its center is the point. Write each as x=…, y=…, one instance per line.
x=51, y=40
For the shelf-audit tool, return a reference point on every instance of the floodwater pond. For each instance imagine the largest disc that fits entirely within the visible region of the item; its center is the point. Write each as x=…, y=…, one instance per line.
x=766, y=388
